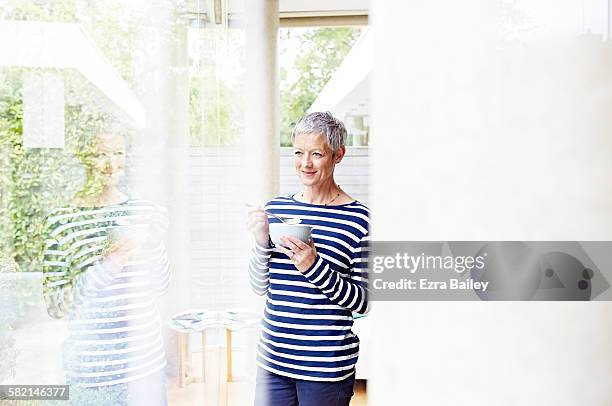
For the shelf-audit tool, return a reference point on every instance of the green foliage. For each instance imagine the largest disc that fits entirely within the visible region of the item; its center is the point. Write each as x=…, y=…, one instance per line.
x=111, y=24
x=211, y=117
x=320, y=52
x=8, y=355
x=21, y=402
x=32, y=10
x=34, y=181
x=215, y=98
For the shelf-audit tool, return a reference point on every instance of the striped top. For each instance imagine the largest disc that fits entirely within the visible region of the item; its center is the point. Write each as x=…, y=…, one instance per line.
x=306, y=327
x=114, y=324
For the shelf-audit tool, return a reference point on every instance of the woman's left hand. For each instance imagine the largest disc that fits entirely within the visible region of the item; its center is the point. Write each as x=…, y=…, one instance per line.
x=301, y=254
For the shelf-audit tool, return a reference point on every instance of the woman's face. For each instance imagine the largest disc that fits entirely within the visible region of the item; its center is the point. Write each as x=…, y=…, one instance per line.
x=108, y=160
x=313, y=158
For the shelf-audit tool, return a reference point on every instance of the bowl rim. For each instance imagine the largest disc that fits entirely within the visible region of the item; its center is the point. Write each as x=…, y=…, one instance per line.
x=290, y=225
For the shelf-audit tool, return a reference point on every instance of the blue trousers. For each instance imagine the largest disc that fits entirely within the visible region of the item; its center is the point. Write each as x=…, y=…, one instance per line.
x=275, y=390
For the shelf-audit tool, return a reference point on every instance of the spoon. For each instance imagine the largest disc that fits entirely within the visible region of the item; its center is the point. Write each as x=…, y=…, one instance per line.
x=287, y=220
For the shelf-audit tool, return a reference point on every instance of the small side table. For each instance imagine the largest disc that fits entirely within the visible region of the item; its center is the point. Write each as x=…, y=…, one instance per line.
x=197, y=321
x=184, y=328
x=231, y=321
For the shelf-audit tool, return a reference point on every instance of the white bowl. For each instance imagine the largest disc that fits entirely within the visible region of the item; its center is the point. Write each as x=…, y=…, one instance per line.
x=299, y=231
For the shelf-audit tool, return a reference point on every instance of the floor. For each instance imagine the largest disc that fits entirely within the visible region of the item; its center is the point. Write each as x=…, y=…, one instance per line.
x=33, y=352
x=216, y=391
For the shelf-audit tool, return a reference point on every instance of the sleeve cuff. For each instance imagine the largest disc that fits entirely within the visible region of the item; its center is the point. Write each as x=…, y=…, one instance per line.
x=262, y=250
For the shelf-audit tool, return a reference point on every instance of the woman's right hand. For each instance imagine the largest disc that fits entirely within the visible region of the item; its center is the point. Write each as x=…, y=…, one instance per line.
x=118, y=253
x=258, y=225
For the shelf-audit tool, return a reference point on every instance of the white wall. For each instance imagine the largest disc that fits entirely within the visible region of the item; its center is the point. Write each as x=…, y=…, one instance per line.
x=492, y=123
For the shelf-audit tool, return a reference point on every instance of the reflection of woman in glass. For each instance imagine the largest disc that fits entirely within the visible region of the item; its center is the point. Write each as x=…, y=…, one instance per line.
x=307, y=352
x=105, y=267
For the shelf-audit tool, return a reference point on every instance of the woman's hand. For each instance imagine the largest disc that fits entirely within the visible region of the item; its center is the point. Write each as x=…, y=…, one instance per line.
x=121, y=248
x=117, y=254
x=258, y=225
x=301, y=254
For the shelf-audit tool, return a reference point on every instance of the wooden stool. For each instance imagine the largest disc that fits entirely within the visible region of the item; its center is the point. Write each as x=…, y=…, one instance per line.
x=228, y=354
x=186, y=323
x=230, y=320
x=185, y=358
x=229, y=376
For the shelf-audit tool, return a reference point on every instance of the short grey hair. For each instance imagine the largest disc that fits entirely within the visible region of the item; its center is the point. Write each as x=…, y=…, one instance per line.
x=322, y=123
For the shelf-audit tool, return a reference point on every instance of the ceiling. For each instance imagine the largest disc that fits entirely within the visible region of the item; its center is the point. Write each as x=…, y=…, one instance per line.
x=348, y=91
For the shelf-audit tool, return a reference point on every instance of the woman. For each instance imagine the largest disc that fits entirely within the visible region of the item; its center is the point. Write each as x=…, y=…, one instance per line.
x=105, y=266
x=307, y=352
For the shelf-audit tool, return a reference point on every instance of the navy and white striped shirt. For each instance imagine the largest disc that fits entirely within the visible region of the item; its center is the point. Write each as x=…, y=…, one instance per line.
x=115, y=328
x=306, y=328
